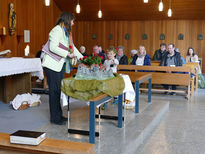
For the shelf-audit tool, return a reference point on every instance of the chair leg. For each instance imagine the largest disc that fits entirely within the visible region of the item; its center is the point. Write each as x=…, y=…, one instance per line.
x=192, y=87
x=188, y=92
x=196, y=82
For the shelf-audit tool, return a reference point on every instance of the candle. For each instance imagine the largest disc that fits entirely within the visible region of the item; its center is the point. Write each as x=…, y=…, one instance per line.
x=4, y=30
x=26, y=50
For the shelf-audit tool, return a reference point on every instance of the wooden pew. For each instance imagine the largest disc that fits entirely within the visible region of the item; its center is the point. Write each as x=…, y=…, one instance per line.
x=160, y=77
x=47, y=146
x=155, y=63
x=195, y=70
x=200, y=63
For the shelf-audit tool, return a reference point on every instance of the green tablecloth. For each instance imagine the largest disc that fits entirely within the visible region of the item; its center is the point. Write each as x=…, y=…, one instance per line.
x=87, y=89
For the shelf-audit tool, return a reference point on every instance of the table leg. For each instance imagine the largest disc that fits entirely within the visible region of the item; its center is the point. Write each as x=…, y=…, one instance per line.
x=68, y=112
x=120, y=111
x=137, y=97
x=92, y=122
x=149, y=90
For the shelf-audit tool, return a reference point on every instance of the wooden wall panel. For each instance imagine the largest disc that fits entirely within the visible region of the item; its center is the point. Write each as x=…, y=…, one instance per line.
x=31, y=15
x=83, y=31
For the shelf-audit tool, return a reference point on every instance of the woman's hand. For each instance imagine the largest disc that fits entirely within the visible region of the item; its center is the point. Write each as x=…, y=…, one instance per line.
x=71, y=55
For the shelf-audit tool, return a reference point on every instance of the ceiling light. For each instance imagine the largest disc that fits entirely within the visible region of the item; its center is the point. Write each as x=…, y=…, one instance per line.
x=169, y=10
x=47, y=2
x=99, y=12
x=146, y=1
x=160, y=6
x=78, y=7
x=169, y=13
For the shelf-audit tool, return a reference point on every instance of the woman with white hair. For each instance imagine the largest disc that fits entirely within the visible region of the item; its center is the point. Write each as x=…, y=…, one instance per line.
x=82, y=50
x=141, y=58
x=133, y=52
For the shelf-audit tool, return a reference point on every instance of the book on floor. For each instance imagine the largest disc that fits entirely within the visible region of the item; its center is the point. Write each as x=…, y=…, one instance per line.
x=27, y=137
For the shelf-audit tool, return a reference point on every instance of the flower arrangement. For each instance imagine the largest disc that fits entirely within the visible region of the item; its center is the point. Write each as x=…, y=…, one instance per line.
x=70, y=49
x=90, y=60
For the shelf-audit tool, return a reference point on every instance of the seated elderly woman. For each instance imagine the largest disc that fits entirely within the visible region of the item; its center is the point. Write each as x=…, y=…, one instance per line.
x=141, y=58
x=132, y=53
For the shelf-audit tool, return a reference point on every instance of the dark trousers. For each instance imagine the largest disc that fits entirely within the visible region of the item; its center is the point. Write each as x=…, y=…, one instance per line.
x=54, y=85
x=173, y=87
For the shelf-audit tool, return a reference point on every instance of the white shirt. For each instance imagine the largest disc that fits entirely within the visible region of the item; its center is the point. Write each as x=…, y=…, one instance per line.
x=107, y=64
x=192, y=58
x=140, y=61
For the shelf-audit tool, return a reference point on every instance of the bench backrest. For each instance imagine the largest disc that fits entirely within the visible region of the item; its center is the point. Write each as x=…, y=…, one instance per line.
x=192, y=66
x=158, y=73
x=153, y=68
x=155, y=63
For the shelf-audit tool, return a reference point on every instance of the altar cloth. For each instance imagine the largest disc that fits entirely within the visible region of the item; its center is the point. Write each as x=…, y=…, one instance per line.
x=18, y=65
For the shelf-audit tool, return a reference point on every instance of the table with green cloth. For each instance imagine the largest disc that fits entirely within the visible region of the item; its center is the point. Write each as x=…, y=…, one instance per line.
x=89, y=90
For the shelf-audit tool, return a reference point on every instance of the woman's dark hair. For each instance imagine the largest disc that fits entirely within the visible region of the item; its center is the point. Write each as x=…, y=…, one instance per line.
x=66, y=18
x=193, y=51
x=163, y=44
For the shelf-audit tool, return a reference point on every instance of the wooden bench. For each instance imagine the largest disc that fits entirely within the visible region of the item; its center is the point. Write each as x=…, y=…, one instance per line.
x=176, y=77
x=155, y=63
x=47, y=146
x=195, y=70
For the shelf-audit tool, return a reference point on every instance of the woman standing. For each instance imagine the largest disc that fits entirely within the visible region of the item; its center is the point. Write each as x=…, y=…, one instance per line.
x=59, y=36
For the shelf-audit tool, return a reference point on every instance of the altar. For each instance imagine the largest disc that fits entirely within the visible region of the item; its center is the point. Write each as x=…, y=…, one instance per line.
x=15, y=76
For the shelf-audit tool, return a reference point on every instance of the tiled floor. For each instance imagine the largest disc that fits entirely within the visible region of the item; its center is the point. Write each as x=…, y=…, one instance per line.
x=182, y=130
x=113, y=140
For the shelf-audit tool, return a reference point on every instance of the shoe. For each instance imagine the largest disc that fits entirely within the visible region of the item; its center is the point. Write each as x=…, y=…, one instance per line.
x=61, y=122
x=129, y=105
x=173, y=93
x=64, y=119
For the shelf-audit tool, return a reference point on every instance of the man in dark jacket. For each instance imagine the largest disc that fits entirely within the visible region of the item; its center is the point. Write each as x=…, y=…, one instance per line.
x=123, y=60
x=158, y=55
x=173, y=59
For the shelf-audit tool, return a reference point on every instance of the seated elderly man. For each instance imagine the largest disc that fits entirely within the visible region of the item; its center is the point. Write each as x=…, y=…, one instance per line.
x=97, y=51
x=82, y=51
x=158, y=55
x=173, y=59
x=123, y=60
